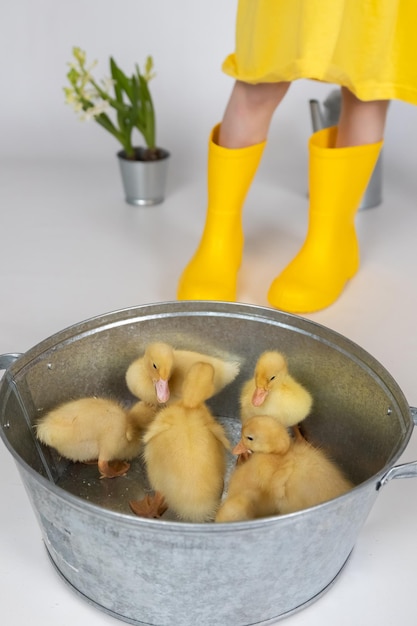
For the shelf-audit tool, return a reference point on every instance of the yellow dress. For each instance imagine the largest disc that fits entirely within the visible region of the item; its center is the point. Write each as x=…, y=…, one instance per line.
x=369, y=46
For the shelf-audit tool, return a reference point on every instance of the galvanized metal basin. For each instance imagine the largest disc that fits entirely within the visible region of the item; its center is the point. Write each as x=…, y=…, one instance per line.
x=165, y=572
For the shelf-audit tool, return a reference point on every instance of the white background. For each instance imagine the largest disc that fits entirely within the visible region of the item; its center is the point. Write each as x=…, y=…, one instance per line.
x=71, y=248
x=188, y=41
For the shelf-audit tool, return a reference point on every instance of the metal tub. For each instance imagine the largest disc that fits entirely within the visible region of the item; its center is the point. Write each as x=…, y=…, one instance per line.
x=165, y=572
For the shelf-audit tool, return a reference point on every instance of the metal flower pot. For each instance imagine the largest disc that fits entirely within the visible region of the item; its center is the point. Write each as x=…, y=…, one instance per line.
x=165, y=572
x=144, y=182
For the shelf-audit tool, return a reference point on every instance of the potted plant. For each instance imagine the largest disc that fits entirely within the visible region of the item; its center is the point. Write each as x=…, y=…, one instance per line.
x=143, y=169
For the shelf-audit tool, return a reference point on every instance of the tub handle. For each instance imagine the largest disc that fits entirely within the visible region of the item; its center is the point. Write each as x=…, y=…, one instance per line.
x=405, y=470
x=6, y=360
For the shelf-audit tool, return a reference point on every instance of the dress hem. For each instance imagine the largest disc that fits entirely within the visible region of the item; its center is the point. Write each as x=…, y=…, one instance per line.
x=366, y=90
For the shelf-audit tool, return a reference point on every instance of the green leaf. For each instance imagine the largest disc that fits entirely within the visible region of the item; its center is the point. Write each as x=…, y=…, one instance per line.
x=150, y=126
x=135, y=95
x=146, y=94
x=106, y=122
x=114, y=73
x=122, y=80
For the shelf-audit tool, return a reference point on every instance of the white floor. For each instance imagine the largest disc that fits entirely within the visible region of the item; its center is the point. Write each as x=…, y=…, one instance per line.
x=71, y=249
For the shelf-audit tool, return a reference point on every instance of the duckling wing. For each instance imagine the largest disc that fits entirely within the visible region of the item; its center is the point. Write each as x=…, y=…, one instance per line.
x=279, y=481
x=158, y=427
x=246, y=407
x=218, y=431
x=140, y=416
x=224, y=371
x=294, y=401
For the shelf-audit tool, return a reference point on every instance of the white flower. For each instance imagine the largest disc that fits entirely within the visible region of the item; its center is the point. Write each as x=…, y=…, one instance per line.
x=94, y=111
x=77, y=107
x=108, y=83
x=79, y=55
x=73, y=99
x=90, y=93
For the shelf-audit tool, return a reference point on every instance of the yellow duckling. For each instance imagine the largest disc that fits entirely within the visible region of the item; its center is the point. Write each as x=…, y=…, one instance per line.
x=90, y=429
x=141, y=414
x=158, y=375
x=185, y=452
x=282, y=475
x=273, y=391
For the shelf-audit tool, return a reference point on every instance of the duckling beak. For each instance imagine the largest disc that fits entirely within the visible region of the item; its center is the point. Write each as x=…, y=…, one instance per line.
x=162, y=390
x=240, y=448
x=259, y=396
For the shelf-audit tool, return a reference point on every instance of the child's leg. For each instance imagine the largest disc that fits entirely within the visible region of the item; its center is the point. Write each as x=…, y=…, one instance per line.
x=341, y=163
x=235, y=150
x=249, y=112
x=360, y=122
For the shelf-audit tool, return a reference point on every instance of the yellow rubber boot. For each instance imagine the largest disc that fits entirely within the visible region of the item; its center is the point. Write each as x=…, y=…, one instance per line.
x=212, y=272
x=329, y=257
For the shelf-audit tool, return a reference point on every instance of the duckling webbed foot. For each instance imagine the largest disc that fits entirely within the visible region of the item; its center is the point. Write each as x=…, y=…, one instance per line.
x=243, y=457
x=112, y=469
x=298, y=435
x=242, y=453
x=152, y=507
